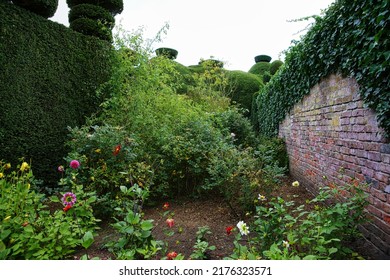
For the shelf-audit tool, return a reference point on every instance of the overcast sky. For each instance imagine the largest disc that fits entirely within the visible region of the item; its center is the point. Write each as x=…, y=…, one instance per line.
x=231, y=31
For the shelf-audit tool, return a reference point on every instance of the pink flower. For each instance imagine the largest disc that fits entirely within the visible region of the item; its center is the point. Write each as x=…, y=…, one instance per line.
x=69, y=199
x=61, y=168
x=74, y=164
x=170, y=222
x=171, y=255
x=165, y=206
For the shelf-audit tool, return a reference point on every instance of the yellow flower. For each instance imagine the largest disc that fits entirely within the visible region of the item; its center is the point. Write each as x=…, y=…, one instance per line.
x=98, y=151
x=24, y=166
x=7, y=166
x=295, y=184
x=1, y=175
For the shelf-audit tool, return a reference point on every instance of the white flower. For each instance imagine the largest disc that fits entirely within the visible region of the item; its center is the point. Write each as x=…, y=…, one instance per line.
x=295, y=184
x=286, y=244
x=232, y=135
x=244, y=229
x=261, y=197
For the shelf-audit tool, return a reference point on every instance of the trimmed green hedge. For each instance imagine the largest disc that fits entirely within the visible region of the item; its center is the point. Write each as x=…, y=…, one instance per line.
x=91, y=27
x=92, y=12
x=244, y=86
x=48, y=80
x=353, y=38
x=168, y=52
x=45, y=8
x=260, y=68
x=113, y=6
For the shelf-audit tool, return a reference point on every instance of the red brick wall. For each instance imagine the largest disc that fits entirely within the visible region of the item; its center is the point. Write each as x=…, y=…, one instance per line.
x=332, y=137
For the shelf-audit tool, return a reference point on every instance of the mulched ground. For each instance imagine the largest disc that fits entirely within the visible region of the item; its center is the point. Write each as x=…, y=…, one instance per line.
x=190, y=214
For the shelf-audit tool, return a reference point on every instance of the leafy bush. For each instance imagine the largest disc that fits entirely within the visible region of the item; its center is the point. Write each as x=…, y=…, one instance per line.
x=282, y=231
x=28, y=229
x=242, y=87
x=260, y=68
x=351, y=39
x=45, y=8
x=275, y=65
x=169, y=53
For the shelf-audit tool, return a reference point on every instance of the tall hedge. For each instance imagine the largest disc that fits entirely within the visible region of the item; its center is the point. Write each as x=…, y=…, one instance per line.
x=45, y=8
x=353, y=38
x=48, y=80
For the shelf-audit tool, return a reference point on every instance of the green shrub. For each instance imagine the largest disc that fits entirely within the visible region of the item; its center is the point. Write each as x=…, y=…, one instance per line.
x=350, y=39
x=260, y=68
x=29, y=229
x=262, y=58
x=91, y=27
x=92, y=12
x=45, y=8
x=275, y=65
x=242, y=87
x=113, y=6
x=169, y=53
x=49, y=82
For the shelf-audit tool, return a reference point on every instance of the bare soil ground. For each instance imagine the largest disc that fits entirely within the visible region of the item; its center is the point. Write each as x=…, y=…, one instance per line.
x=190, y=214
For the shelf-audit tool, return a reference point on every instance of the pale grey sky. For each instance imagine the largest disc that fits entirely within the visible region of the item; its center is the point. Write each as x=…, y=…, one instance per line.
x=232, y=31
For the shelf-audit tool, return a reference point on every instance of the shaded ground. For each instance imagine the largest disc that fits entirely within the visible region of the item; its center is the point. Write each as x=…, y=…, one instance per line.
x=189, y=215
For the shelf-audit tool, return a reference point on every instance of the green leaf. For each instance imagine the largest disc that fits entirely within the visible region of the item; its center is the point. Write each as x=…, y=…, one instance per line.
x=87, y=240
x=146, y=225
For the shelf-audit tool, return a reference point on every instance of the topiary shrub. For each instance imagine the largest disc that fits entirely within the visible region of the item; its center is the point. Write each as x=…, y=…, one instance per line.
x=266, y=77
x=113, y=6
x=45, y=8
x=262, y=58
x=275, y=65
x=92, y=12
x=91, y=27
x=242, y=87
x=260, y=68
x=167, y=52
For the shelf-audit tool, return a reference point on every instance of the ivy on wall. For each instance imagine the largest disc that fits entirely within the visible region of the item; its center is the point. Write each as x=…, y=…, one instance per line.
x=353, y=39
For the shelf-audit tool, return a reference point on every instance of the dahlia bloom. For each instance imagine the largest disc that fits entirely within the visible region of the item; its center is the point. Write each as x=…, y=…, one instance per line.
x=244, y=229
x=170, y=222
x=69, y=198
x=74, y=164
x=171, y=255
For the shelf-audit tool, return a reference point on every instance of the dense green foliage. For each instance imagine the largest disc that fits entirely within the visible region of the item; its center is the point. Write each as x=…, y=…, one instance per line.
x=48, y=82
x=92, y=12
x=113, y=6
x=45, y=8
x=353, y=38
x=168, y=52
x=275, y=65
x=260, y=68
x=243, y=86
